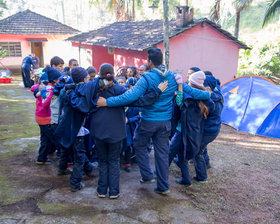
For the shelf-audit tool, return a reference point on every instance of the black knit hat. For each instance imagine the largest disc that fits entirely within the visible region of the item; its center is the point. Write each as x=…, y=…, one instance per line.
x=53, y=74
x=78, y=74
x=106, y=71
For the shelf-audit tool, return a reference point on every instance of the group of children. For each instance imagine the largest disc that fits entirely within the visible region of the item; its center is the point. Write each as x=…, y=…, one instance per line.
x=72, y=124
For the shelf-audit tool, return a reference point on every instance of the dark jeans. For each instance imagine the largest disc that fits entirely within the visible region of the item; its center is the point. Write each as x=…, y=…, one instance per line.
x=127, y=155
x=109, y=167
x=174, y=146
x=205, y=141
x=159, y=133
x=199, y=163
x=66, y=156
x=54, y=146
x=25, y=72
x=44, y=143
x=81, y=163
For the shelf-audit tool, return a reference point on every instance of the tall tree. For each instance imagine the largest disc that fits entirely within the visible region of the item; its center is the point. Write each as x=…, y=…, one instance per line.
x=271, y=10
x=166, y=33
x=240, y=5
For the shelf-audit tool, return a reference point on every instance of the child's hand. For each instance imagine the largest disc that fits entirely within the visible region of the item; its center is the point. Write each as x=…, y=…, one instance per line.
x=101, y=102
x=163, y=86
x=178, y=78
x=41, y=86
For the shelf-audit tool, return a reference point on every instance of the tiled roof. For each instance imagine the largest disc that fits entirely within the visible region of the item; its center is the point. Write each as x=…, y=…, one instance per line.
x=141, y=35
x=28, y=22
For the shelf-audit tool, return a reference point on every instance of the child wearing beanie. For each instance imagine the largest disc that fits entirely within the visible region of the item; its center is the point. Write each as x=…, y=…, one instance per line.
x=187, y=138
x=72, y=116
x=43, y=113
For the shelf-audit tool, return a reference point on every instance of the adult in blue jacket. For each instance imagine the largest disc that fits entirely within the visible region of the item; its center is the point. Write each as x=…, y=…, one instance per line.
x=155, y=119
x=25, y=71
x=212, y=125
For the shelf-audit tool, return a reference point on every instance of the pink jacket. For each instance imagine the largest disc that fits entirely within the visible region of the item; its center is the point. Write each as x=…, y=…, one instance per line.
x=43, y=105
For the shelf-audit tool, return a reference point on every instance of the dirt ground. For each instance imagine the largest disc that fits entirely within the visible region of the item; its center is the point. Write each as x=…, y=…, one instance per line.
x=243, y=183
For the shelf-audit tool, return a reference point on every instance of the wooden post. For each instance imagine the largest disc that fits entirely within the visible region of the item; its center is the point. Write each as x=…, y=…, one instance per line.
x=166, y=33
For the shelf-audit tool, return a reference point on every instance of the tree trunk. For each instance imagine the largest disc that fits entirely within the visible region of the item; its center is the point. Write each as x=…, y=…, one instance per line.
x=63, y=11
x=237, y=21
x=166, y=33
x=133, y=9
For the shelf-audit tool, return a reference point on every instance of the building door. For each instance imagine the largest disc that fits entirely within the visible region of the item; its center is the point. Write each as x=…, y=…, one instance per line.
x=37, y=49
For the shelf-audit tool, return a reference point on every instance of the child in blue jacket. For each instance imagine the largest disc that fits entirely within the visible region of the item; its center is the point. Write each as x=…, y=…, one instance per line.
x=132, y=120
x=213, y=122
x=71, y=132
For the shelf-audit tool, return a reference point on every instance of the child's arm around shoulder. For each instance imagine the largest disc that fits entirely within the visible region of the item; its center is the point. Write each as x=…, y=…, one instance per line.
x=151, y=96
x=196, y=93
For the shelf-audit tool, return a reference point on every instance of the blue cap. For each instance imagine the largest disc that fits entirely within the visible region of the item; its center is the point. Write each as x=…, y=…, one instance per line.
x=130, y=82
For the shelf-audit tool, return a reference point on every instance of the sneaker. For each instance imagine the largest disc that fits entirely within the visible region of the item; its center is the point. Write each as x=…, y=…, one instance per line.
x=79, y=188
x=63, y=172
x=142, y=181
x=200, y=181
x=100, y=195
x=127, y=168
x=114, y=196
x=47, y=162
x=180, y=181
x=158, y=191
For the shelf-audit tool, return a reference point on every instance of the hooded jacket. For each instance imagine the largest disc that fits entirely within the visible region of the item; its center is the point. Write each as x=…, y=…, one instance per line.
x=213, y=122
x=160, y=110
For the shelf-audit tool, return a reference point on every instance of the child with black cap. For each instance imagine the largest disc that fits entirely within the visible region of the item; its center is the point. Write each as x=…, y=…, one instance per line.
x=81, y=163
x=43, y=113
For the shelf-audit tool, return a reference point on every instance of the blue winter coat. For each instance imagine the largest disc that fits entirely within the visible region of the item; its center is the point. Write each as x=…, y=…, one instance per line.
x=192, y=126
x=212, y=125
x=76, y=103
x=161, y=110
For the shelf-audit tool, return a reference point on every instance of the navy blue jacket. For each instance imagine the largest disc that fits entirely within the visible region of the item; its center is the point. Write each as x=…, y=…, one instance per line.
x=192, y=126
x=213, y=123
x=27, y=62
x=108, y=123
x=75, y=106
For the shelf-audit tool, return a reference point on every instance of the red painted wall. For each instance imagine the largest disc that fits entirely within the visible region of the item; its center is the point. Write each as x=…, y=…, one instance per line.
x=124, y=57
x=100, y=55
x=205, y=48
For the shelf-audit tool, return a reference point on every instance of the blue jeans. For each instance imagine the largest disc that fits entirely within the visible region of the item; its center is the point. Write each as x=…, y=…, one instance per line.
x=81, y=163
x=159, y=132
x=109, y=167
x=175, y=145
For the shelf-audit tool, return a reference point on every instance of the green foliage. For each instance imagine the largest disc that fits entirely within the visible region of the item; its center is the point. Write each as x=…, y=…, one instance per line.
x=271, y=11
x=263, y=61
x=2, y=6
x=3, y=52
x=251, y=19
